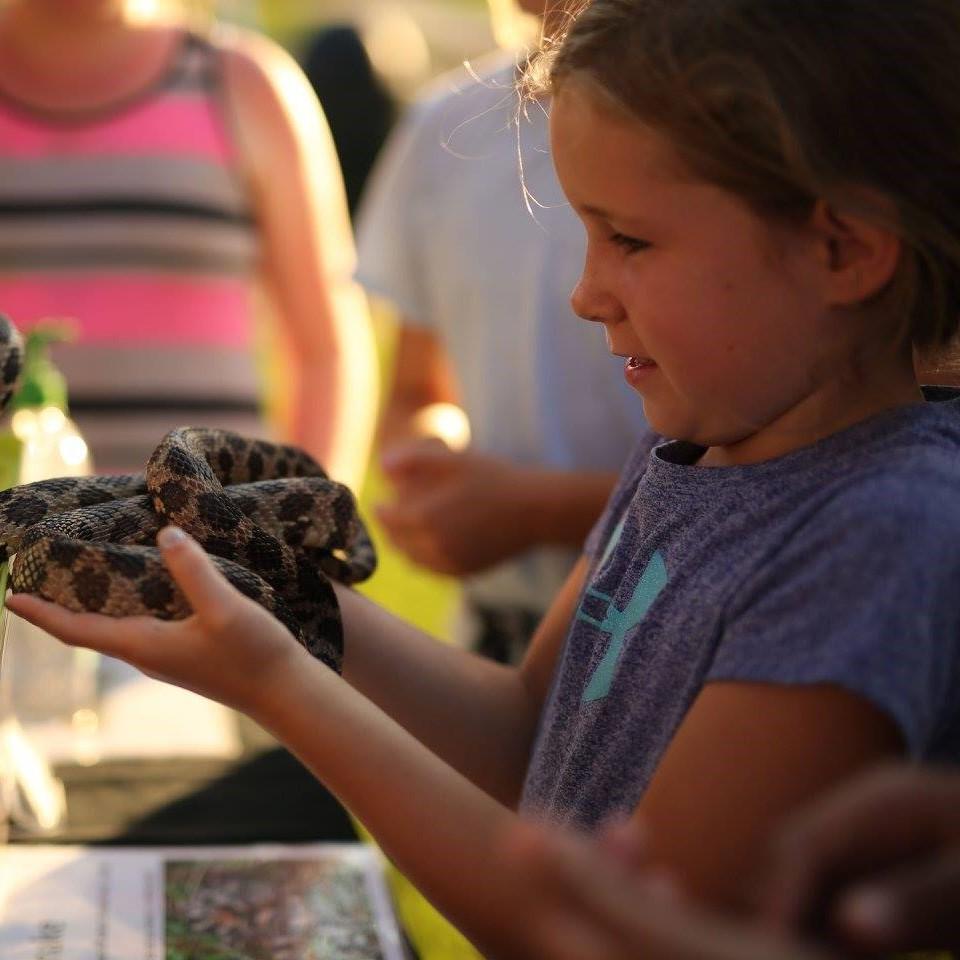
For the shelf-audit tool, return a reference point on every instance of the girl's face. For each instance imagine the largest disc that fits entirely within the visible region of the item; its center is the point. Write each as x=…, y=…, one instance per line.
x=715, y=310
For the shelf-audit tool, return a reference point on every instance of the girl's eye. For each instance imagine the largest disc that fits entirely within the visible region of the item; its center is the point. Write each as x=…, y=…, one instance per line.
x=628, y=244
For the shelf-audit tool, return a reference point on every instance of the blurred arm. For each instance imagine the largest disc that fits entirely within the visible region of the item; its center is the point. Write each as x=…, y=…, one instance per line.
x=298, y=192
x=422, y=375
x=459, y=511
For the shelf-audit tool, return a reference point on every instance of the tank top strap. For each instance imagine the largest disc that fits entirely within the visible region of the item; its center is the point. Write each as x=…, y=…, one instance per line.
x=195, y=67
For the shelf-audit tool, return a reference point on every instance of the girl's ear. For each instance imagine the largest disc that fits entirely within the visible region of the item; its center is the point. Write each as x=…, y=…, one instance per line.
x=859, y=257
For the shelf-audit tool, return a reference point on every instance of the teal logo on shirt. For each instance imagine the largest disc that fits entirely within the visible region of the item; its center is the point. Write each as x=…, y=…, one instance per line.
x=618, y=623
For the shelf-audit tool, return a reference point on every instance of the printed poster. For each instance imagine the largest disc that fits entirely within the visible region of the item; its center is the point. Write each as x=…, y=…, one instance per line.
x=269, y=902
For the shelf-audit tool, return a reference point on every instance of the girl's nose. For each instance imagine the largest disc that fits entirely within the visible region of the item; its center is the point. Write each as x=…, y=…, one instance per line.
x=590, y=301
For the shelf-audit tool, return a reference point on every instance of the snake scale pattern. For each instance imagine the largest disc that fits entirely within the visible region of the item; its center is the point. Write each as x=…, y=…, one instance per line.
x=273, y=522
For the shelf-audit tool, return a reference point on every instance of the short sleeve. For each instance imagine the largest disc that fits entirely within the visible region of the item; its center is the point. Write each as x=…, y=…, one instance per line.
x=865, y=594
x=391, y=218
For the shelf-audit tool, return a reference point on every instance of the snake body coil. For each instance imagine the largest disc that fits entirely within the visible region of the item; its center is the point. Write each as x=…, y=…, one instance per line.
x=275, y=524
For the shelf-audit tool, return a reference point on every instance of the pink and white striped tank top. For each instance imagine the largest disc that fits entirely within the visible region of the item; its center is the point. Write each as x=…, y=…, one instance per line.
x=136, y=223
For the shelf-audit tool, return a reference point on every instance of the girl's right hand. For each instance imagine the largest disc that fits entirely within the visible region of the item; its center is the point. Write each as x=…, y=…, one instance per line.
x=230, y=650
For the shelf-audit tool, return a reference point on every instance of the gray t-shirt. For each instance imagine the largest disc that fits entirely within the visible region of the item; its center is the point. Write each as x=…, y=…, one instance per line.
x=838, y=563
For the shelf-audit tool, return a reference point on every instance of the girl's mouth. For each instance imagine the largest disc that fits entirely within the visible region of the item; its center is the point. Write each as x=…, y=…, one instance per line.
x=636, y=369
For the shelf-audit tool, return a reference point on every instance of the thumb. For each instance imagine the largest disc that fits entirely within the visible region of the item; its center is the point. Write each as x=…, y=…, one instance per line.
x=207, y=591
x=915, y=908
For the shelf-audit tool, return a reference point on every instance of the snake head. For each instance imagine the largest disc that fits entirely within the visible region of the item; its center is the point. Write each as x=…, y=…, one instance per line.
x=11, y=359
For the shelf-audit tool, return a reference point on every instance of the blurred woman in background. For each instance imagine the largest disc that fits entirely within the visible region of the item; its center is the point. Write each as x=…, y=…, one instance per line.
x=150, y=175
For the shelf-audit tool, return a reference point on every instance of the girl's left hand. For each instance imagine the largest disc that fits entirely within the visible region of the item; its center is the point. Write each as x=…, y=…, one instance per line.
x=231, y=649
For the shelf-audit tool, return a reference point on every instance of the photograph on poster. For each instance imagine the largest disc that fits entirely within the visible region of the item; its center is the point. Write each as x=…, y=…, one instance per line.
x=254, y=902
x=269, y=910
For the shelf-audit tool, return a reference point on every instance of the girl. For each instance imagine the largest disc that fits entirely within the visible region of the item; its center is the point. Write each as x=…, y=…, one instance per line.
x=152, y=176
x=770, y=602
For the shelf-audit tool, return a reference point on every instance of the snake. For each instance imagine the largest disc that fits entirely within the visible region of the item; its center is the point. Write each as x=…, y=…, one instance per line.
x=275, y=525
x=11, y=360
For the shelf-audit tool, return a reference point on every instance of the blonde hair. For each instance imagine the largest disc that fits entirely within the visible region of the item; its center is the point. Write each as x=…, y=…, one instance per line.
x=783, y=102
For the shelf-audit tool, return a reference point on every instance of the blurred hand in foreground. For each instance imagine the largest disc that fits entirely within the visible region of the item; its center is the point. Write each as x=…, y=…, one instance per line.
x=591, y=899
x=874, y=866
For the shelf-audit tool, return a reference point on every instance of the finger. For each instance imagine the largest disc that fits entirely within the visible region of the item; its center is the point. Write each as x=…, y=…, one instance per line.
x=565, y=935
x=396, y=463
x=414, y=481
x=108, y=635
x=537, y=851
x=406, y=486
x=875, y=822
x=211, y=597
x=400, y=520
x=915, y=909
x=402, y=465
x=556, y=925
x=418, y=543
x=584, y=879
x=625, y=840
x=419, y=456
x=402, y=536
